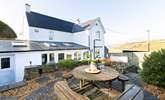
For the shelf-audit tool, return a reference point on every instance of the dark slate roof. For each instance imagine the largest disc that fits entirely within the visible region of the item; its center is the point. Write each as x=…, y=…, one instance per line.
x=6, y=46
x=47, y=22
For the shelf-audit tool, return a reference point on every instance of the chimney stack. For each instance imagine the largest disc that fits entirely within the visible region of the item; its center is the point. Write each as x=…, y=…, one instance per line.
x=27, y=8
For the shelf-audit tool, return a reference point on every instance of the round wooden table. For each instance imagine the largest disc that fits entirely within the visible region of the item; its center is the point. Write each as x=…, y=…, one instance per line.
x=106, y=74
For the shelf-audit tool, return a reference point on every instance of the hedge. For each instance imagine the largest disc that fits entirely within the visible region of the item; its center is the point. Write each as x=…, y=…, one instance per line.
x=154, y=68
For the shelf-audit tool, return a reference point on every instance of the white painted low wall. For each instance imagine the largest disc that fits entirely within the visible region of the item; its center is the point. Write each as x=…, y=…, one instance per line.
x=123, y=59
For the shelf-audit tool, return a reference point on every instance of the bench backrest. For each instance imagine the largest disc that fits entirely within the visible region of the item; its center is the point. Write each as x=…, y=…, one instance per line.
x=64, y=92
x=132, y=92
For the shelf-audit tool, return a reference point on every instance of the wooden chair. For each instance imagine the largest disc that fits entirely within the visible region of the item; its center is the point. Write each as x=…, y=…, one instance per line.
x=63, y=92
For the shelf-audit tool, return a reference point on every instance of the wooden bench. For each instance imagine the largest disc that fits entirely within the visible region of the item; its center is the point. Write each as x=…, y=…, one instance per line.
x=65, y=93
x=123, y=79
x=132, y=92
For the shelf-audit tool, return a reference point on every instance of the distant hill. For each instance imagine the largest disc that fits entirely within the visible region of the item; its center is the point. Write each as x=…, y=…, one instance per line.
x=140, y=46
x=6, y=32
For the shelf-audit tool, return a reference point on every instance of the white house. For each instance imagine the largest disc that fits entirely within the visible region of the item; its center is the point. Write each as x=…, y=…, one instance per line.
x=47, y=39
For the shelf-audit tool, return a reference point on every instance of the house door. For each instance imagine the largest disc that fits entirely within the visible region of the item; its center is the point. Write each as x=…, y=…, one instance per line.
x=6, y=70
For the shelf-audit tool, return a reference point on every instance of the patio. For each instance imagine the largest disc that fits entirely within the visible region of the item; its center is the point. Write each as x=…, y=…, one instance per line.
x=43, y=87
x=47, y=92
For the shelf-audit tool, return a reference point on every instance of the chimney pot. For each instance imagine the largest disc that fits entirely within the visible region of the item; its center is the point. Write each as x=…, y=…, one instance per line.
x=27, y=8
x=78, y=21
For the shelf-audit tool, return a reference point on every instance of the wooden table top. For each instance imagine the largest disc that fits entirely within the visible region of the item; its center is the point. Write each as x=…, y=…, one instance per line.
x=106, y=74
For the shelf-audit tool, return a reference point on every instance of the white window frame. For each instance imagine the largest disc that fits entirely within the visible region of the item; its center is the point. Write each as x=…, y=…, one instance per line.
x=98, y=35
x=77, y=55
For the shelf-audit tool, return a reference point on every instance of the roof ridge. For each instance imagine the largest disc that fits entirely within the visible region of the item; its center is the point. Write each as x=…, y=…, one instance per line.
x=50, y=16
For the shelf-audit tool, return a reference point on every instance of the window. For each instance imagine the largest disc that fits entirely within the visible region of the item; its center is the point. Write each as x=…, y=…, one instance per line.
x=51, y=35
x=85, y=55
x=47, y=44
x=97, y=53
x=77, y=56
x=51, y=57
x=5, y=63
x=36, y=30
x=68, y=56
x=53, y=45
x=44, y=58
x=67, y=44
x=98, y=35
x=19, y=44
x=60, y=56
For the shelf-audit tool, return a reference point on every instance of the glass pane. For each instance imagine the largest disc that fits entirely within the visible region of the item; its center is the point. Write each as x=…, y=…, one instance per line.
x=5, y=63
x=51, y=57
x=75, y=55
x=44, y=58
x=69, y=56
x=60, y=56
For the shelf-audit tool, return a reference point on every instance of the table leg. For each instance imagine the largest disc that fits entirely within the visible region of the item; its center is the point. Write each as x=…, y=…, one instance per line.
x=81, y=83
x=110, y=84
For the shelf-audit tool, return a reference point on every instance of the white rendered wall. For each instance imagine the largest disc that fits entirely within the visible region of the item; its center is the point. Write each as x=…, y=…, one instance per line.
x=99, y=44
x=23, y=59
x=7, y=75
x=43, y=35
x=82, y=38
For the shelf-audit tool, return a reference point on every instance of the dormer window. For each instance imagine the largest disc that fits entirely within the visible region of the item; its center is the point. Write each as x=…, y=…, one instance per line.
x=36, y=30
x=53, y=45
x=51, y=35
x=46, y=44
x=19, y=44
x=67, y=44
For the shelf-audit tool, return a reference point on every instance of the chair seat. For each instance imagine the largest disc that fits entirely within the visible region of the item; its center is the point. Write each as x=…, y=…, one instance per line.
x=110, y=92
x=67, y=75
x=123, y=77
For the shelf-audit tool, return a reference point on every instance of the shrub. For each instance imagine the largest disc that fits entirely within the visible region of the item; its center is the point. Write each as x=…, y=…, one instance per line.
x=70, y=64
x=50, y=67
x=67, y=64
x=84, y=62
x=154, y=68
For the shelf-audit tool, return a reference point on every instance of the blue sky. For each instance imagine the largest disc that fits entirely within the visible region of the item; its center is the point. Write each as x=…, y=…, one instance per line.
x=124, y=20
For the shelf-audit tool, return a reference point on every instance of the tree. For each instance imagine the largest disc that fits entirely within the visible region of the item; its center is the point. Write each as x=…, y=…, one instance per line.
x=6, y=32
